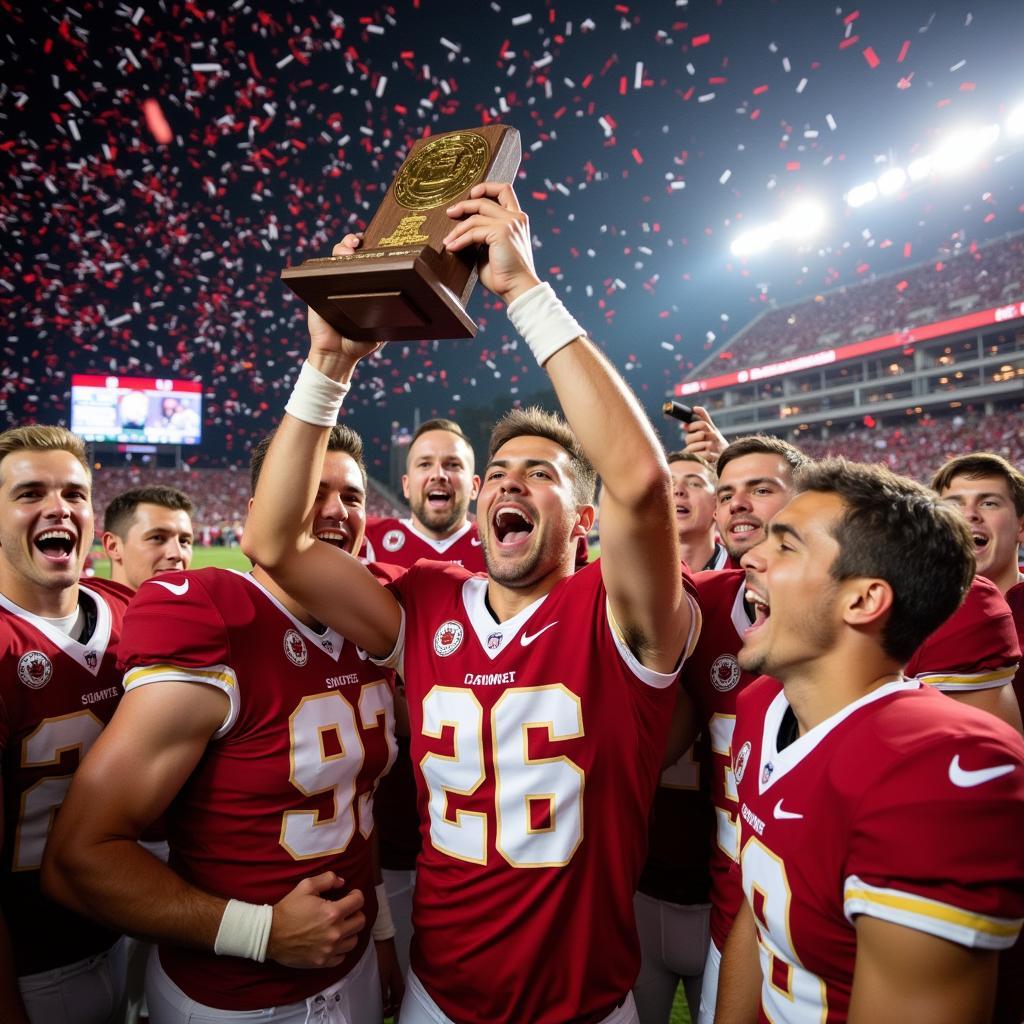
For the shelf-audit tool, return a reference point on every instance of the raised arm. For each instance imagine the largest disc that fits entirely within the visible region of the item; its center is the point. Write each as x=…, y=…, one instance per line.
x=329, y=583
x=639, y=549
x=94, y=864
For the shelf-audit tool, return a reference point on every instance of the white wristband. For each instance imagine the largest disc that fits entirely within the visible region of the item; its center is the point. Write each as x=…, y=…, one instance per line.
x=384, y=926
x=316, y=398
x=545, y=324
x=244, y=930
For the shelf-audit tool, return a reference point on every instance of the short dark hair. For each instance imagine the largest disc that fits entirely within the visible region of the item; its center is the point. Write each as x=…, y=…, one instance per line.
x=449, y=426
x=763, y=444
x=980, y=464
x=121, y=510
x=536, y=422
x=341, y=439
x=895, y=529
x=681, y=456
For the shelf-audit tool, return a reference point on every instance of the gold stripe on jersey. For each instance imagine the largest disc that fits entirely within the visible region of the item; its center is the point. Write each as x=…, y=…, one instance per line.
x=221, y=676
x=964, y=927
x=963, y=681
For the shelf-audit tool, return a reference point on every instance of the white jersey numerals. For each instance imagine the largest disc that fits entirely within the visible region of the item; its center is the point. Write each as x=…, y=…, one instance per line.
x=538, y=802
x=327, y=755
x=721, y=729
x=45, y=746
x=789, y=991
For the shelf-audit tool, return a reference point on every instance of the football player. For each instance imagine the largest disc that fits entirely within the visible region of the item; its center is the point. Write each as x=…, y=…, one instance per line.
x=693, y=486
x=59, y=686
x=439, y=483
x=539, y=697
x=147, y=530
x=879, y=823
x=264, y=733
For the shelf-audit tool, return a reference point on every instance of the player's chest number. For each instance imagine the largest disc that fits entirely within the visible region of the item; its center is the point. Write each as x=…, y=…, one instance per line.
x=327, y=756
x=538, y=801
x=44, y=747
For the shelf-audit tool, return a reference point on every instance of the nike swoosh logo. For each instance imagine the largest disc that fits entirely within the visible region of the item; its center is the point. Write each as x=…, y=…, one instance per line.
x=783, y=815
x=527, y=640
x=177, y=589
x=965, y=778
x=475, y=541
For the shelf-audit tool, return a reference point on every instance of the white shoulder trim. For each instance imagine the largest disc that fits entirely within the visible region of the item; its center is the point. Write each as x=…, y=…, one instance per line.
x=964, y=927
x=396, y=659
x=963, y=682
x=659, y=680
x=221, y=677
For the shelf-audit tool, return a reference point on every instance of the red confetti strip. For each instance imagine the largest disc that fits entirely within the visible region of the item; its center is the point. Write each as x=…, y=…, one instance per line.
x=871, y=57
x=701, y=40
x=904, y=50
x=636, y=155
x=847, y=43
x=156, y=122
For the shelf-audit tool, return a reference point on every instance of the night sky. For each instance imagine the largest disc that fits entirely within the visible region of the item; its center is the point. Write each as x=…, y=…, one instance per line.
x=162, y=162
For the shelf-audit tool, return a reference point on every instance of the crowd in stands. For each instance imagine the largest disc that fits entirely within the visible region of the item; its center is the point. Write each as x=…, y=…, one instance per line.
x=918, y=447
x=221, y=496
x=979, y=278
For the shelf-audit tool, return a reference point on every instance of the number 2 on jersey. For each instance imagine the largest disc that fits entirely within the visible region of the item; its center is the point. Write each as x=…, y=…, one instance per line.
x=538, y=801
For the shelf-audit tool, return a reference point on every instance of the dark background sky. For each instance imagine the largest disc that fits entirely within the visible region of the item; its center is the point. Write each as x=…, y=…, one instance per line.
x=119, y=253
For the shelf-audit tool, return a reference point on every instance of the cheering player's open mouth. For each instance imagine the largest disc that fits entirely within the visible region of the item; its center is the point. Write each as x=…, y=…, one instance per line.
x=980, y=540
x=57, y=546
x=682, y=511
x=439, y=498
x=743, y=527
x=331, y=535
x=512, y=527
x=761, y=610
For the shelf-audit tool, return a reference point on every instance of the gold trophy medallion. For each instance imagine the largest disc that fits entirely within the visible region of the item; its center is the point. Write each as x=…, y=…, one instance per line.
x=442, y=169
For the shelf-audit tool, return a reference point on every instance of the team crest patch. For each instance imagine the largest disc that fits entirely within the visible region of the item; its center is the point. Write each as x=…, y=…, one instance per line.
x=494, y=641
x=741, y=761
x=448, y=638
x=393, y=540
x=295, y=648
x=91, y=659
x=767, y=773
x=725, y=673
x=35, y=670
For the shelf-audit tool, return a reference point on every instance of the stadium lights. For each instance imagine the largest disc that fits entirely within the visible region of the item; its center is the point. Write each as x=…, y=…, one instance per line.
x=803, y=220
x=891, y=181
x=756, y=240
x=861, y=195
x=1015, y=121
x=963, y=148
x=920, y=168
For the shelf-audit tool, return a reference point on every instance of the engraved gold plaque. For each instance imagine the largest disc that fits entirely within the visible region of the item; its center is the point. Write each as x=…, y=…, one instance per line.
x=402, y=284
x=442, y=169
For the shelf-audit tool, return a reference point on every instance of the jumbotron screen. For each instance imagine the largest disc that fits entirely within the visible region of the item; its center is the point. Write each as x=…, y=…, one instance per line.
x=136, y=409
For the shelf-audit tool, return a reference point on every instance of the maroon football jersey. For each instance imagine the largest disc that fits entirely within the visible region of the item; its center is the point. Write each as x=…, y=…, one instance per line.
x=976, y=648
x=903, y=805
x=713, y=678
x=56, y=695
x=398, y=542
x=285, y=788
x=538, y=744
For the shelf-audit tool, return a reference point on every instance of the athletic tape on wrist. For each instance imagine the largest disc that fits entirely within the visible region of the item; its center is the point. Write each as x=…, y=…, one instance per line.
x=544, y=323
x=384, y=926
x=316, y=398
x=244, y=930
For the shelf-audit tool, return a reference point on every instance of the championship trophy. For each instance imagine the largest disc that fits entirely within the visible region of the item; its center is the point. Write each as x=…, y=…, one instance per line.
x=402, y=284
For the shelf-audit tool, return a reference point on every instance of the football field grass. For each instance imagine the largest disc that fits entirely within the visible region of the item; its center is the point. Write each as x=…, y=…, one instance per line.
x=225, y=558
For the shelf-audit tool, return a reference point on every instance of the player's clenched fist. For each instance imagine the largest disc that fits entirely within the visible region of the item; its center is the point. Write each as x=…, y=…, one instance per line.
x=311, y=931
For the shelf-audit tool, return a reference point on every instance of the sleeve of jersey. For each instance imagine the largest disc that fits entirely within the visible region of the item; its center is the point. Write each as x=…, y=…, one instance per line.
x=398, y=586
x=976, y=648
x=659, y=680
x=937, y=849
x=178, y=639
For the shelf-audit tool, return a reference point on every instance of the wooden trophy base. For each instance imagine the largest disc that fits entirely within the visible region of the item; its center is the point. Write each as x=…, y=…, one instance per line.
x=382, y=295
x=403, y=285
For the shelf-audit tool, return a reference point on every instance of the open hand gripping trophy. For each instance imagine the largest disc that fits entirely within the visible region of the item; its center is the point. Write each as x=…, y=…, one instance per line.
x=402, y=285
